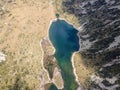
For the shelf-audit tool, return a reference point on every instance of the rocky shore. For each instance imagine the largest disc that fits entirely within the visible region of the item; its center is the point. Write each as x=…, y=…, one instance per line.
x=50, y=65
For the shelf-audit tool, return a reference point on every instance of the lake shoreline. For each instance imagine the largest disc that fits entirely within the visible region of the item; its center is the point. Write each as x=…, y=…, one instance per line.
x=72, y=57
x=44, y=64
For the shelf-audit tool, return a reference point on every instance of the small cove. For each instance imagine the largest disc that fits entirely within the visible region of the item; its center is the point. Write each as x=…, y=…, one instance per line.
x=63, y=37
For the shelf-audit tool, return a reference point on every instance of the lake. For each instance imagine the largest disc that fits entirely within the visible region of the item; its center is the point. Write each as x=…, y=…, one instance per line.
x=63, y=37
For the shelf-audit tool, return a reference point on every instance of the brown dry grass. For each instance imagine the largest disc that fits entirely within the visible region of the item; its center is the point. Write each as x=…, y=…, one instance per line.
x=21, y=28
x=83, y=72
x=69, y=17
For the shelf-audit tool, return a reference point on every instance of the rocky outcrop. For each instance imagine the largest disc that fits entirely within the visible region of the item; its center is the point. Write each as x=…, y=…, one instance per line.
x=100, y=38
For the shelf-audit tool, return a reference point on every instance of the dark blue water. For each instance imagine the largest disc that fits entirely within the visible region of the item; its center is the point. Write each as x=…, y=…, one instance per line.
x=65, y=41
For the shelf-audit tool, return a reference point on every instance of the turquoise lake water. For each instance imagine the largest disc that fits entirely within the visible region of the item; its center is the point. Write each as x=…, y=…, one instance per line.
x=64, y=38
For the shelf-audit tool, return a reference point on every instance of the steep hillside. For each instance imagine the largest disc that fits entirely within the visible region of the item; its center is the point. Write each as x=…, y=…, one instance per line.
x=100, y=40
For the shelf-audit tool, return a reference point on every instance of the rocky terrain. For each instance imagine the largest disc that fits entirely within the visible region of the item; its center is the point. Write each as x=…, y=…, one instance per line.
x=100, y=41
x=24, y=23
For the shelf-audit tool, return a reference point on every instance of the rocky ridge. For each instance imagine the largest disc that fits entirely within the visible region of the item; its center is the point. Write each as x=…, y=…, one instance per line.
x=100, y=39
